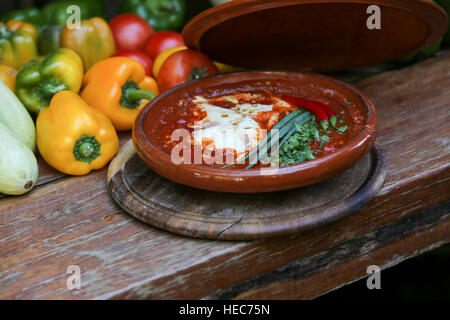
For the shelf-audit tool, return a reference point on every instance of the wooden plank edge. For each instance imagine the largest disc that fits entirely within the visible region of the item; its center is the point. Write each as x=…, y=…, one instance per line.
x=123, y=155
x=386, y=247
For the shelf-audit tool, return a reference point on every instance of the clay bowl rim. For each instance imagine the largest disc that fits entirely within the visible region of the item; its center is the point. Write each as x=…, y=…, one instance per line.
x=150, y=151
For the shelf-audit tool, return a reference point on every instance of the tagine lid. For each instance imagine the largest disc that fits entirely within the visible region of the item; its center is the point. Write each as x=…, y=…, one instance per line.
x=318, y=35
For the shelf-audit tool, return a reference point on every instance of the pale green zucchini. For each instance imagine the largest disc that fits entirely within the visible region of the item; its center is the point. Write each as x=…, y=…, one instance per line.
x=18, y=165
x=16, y=117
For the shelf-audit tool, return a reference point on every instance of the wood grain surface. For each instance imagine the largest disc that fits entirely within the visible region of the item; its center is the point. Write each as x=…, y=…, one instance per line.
x=73, y=221
x=212, y=215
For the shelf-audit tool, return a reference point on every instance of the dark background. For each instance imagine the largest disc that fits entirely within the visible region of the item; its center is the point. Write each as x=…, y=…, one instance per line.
x=424, y=277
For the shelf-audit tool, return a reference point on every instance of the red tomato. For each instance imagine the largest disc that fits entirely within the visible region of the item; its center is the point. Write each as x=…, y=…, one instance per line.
x=139, y=56
x=162, y=40
x=130, y=31
x=182, y=66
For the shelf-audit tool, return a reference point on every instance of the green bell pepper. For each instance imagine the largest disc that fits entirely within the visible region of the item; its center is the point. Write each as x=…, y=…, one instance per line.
x=41, y=78
x=49, y=39
x=160, y=14
x=30, y=15
x=56, y=12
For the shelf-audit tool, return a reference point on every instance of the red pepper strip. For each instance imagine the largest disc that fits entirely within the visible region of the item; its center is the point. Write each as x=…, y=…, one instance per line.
x=330, y=113
x=312, y=106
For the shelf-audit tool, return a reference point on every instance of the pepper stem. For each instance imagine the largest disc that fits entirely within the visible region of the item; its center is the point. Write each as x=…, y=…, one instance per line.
x=50, y=90
x=46, y=89
x=138, y=94
x=86, y=149
x=132, y=94
x=197, y=73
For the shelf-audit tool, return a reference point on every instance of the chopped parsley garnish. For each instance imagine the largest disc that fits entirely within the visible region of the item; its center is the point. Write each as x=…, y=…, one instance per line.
x=298, y=131
x=342, y=129
x=297, y=148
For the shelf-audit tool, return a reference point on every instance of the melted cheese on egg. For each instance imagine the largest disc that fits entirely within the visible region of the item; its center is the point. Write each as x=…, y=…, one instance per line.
x=229, y=128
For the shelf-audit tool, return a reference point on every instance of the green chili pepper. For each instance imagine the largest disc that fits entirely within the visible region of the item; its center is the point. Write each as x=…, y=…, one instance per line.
x=160, y=14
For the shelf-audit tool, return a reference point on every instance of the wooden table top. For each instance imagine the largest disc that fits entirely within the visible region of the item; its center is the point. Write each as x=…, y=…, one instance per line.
x=68, y=221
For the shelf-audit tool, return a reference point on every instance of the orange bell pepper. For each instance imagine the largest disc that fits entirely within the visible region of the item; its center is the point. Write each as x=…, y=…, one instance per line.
x=119, y=88
x=8, y=76
x=93, y=41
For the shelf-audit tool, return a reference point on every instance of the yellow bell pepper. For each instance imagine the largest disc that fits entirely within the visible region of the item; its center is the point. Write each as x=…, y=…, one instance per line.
x=162, y=57
x=119, y=88
x=18, y=43
x=73, y=137
x=8, y=76
x=225, y=68
x=93, y=41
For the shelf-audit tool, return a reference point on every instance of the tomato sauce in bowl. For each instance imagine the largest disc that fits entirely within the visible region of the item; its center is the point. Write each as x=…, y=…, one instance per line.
x=264, y=109
x=246, y=97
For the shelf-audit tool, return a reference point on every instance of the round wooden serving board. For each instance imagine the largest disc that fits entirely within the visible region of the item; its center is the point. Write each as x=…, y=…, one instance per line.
x=228, y=216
